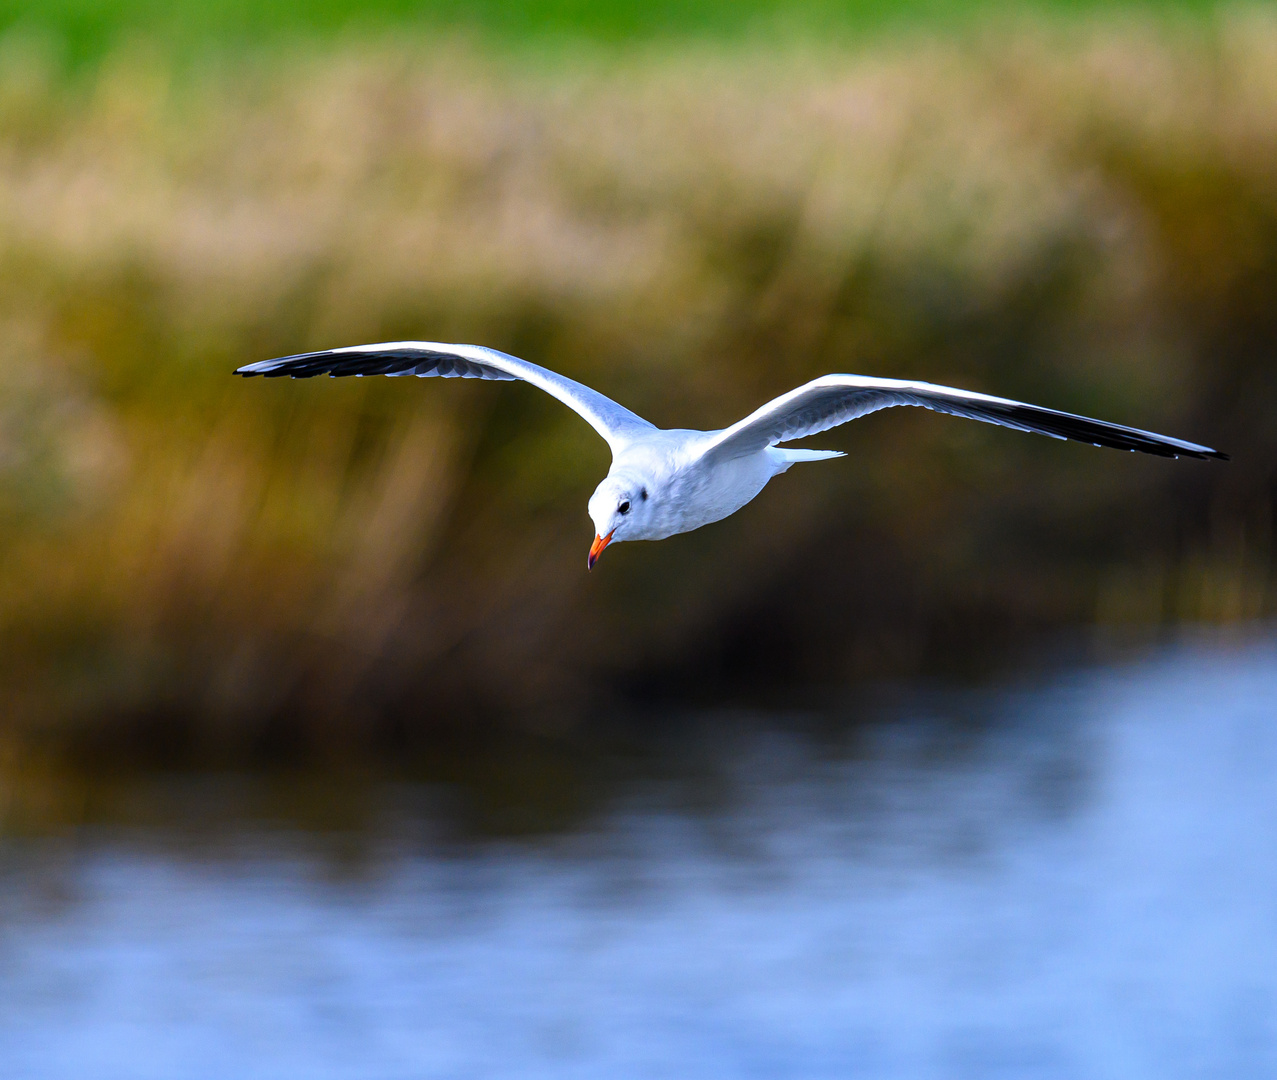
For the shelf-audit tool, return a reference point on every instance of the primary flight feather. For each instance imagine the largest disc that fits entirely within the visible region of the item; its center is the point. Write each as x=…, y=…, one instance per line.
x=667, y=481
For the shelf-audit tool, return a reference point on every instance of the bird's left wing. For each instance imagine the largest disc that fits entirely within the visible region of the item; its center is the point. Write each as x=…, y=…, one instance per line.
x=428, y=359
x=835, y=399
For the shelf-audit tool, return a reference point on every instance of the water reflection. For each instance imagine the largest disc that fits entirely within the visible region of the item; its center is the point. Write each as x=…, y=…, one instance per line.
x=1074, y=879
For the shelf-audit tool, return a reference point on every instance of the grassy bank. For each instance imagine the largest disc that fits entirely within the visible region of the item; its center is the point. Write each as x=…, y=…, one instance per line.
x=85, y=31
x=1084, y=216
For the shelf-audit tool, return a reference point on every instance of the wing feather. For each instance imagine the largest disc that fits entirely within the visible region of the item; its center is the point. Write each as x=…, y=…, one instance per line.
x=836, y=399
x=433, y=359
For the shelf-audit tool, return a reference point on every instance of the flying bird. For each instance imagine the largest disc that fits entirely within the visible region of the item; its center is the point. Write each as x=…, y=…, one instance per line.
x=665, y=481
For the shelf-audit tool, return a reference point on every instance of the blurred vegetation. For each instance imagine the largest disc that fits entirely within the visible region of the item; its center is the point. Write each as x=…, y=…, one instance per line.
x=1078, y=213
x=87, y=30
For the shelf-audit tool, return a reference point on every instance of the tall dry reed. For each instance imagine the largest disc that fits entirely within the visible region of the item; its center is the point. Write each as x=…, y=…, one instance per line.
x=1084, y=216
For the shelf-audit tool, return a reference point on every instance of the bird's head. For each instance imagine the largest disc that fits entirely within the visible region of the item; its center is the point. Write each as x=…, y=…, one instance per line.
x=618, y=508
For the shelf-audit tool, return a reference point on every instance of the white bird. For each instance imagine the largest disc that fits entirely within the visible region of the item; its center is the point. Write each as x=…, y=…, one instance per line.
x=668, y=481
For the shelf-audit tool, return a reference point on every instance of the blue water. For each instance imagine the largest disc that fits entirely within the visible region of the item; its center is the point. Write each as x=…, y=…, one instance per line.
x=1074, y=878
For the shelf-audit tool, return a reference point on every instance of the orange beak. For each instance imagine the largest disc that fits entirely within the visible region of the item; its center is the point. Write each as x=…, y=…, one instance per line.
x=596, y=549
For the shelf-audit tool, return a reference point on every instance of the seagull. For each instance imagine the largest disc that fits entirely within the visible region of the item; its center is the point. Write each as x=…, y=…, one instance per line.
x=665, y=481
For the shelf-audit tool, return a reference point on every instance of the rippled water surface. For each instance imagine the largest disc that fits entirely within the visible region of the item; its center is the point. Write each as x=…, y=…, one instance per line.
x=1076, y=878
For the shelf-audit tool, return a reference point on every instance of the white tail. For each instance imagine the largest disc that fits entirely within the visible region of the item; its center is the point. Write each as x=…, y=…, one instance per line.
x=785, y=458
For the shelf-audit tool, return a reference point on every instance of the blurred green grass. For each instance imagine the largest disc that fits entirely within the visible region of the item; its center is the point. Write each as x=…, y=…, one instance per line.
x=1082, y=214
x=88, y=30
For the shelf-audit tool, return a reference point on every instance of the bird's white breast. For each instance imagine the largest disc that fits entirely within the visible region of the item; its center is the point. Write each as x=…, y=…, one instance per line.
x=688, y=492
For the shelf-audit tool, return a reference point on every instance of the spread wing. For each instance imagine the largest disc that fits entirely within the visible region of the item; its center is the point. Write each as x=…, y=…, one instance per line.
x=427, y=359
x=835, y=399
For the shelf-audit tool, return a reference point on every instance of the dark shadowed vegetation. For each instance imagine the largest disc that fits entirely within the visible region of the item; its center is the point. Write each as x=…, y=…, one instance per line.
x=1084, y=216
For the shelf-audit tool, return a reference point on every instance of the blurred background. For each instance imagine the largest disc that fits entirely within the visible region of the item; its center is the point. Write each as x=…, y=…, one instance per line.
x=321, y=753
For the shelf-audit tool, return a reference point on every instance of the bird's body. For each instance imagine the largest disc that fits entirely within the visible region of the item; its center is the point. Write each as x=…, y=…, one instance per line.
x=684, y=492
x=665, y=481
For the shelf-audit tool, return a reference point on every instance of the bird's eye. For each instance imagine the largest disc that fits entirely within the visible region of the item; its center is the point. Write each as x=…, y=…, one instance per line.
x=624, y=508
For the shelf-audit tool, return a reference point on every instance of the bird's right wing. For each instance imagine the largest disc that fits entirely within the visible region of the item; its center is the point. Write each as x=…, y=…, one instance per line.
x=427, y=359
x=835, y=399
